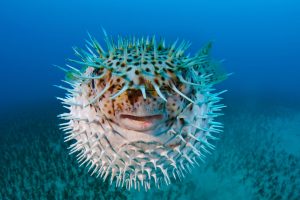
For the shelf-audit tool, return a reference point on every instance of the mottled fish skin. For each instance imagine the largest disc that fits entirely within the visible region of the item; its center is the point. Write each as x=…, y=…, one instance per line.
x=141, y=113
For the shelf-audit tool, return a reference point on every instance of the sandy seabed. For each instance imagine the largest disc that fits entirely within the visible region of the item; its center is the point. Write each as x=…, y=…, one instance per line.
x=257, y=157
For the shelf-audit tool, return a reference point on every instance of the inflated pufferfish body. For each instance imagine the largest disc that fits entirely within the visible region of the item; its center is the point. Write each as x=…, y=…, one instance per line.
x=141, y=114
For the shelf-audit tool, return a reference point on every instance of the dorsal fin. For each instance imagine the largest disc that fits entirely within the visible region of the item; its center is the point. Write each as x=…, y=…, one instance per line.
x=213, y=67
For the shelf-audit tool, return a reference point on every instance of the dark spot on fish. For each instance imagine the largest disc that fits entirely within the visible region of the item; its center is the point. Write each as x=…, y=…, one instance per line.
x=141, y=80
x=169, y=64
x=93, y=84
x=181, y=120
x=191, y=107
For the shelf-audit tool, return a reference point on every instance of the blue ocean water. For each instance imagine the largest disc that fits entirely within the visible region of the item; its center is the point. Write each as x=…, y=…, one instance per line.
x=258, y=40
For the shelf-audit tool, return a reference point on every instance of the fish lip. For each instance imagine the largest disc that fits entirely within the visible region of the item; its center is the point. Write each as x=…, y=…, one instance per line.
x=141, y=123
x=142, y=118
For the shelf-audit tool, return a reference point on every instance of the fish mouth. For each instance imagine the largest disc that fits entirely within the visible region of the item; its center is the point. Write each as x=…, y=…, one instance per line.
x=140, y=123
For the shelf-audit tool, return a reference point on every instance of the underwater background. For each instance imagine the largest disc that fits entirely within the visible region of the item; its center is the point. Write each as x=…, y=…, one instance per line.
x=257, y=156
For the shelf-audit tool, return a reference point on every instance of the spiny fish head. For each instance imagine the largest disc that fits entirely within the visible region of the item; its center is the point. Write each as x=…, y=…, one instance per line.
x=134, y=111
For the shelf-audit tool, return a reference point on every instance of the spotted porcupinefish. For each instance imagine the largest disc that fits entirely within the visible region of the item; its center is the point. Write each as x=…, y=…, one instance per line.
x=141, y=113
